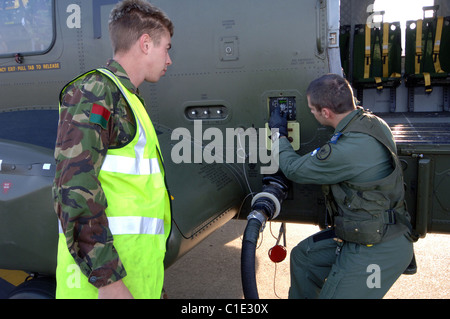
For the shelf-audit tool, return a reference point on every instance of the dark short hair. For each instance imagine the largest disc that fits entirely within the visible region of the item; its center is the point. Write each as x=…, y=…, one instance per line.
x=331, y=91
x=130, y=19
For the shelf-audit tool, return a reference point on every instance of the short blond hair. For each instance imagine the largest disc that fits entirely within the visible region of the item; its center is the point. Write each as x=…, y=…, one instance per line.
x=130, y=19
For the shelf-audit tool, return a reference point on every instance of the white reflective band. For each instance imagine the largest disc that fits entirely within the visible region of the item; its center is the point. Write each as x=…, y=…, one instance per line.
x=1, y=161
x=131, y=166
x=133, y=225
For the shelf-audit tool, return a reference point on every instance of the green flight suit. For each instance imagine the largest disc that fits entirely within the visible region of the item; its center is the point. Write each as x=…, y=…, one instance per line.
x=322, y=267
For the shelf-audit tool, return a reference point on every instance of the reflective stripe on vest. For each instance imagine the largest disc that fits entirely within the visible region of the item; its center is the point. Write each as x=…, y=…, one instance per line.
x=129, y=165
x=133, y=225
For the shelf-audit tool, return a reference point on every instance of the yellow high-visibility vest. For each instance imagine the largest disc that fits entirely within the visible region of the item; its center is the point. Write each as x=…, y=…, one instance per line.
x=138, y=212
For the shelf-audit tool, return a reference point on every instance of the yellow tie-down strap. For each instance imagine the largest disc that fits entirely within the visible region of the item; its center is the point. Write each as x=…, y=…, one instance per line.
x=427, y=79
x=385, y=54
x=379, y=83
x=419, y=53
x=367, y=58
x=437, y=45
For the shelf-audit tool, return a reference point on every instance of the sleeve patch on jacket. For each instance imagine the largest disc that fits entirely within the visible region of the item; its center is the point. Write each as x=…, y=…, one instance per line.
x=99, y=115
x=324, y=152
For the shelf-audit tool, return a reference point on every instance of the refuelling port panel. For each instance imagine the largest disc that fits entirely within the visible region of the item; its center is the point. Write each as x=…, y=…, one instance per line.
x=286, y=104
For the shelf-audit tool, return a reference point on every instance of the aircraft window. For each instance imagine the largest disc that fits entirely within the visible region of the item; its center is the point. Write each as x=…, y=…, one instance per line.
x=399, y=10
x=26, y=26
x=402, y=11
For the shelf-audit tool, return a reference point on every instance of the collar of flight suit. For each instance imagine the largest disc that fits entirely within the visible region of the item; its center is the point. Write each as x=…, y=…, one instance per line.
x=346, y=120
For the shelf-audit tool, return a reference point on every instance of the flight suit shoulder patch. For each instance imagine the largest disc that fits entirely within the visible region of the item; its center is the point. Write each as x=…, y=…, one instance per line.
x=324, y=152
x=335, y=137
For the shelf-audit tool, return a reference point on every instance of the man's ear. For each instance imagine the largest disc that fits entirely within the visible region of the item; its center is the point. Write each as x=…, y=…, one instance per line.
x=326, y=113
x=145, y=43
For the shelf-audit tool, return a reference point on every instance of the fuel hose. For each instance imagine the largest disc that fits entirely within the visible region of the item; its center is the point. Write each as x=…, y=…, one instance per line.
x=266, y=205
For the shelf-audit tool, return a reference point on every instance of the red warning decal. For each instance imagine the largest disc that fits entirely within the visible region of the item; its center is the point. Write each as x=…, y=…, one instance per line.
x=6, y=186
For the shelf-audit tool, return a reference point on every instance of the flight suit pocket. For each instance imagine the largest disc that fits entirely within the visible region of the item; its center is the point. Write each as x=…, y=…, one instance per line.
x=366, y=231
x=360, y=219
x=331, y=284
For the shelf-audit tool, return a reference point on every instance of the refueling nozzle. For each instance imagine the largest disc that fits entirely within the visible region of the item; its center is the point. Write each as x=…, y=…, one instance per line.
x=268, y=201
x=266, y=205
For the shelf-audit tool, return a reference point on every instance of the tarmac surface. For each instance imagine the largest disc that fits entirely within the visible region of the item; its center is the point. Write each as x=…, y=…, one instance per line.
x=212, y=269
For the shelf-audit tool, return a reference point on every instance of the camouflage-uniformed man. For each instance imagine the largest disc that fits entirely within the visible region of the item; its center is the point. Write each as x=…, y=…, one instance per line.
x=369, y=245
x=98, y=116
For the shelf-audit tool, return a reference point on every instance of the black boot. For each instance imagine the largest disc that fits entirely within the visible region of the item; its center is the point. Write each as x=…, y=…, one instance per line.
x=412, y=268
